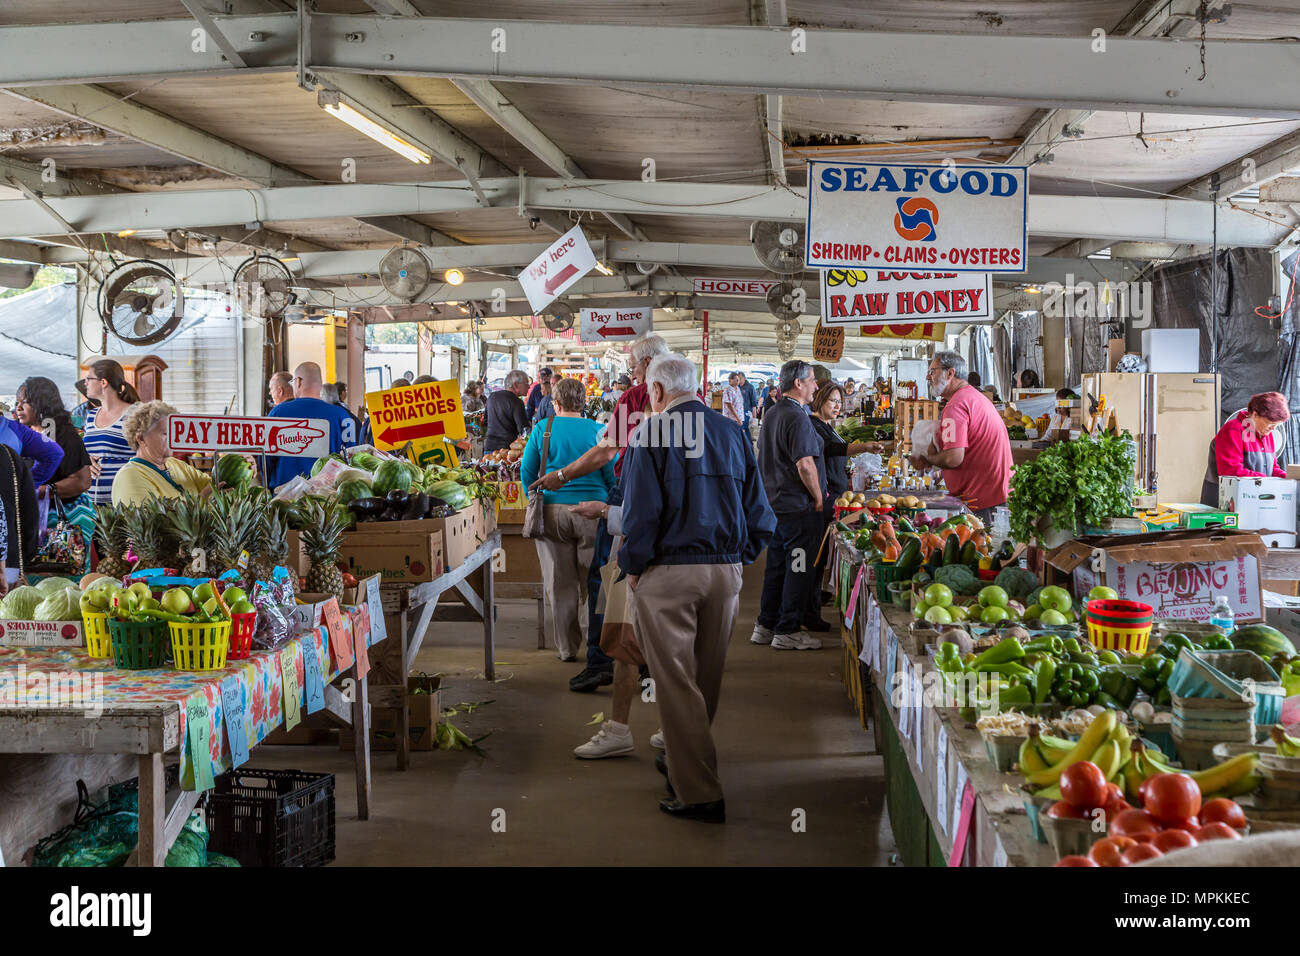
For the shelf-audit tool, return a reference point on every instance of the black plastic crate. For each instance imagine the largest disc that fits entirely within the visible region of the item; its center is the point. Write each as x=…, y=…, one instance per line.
x=273, y=817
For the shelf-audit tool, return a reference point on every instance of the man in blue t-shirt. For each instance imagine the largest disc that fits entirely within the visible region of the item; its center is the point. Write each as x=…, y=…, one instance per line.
x=307, y=403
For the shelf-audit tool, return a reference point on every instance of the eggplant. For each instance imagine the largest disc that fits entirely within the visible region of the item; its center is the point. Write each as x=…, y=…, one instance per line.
x=391, y=514
x=367, y=509
x=416, y=505
x=440, y=510
x=397, y=498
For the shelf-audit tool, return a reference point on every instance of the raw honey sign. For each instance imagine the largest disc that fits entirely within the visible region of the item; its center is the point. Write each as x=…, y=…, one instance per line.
x=428, y=416
x=852, y=296
x=828, y=343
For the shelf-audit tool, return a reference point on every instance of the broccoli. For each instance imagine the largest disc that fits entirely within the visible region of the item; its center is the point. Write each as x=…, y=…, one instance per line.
x=961, y=579
x=1017, y=582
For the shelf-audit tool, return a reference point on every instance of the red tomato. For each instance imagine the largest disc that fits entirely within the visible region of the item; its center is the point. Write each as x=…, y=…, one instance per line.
x=1223, y=810
x=1114, y=792
x=1216, y=831
x=1172, y=797
x=1115, y=807
x=1145, y=837
x=1186, y=823
x=1143, y=851
x=1170, y=840
x=1083, y=785
x=1075, y=861
x=1130, y=823
x=1061, y=810
x=1109, y=850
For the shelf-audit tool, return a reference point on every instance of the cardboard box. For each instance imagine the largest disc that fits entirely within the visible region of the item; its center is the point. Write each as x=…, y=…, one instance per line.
x=425, y=711
x=1194, y=516
x=400, y=557
x=1178, y=573
x=1267, y=505
x=308, y=614
x=42, y=634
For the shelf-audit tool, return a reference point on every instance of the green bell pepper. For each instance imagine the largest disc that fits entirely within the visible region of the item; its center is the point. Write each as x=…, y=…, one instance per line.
x=1217, y=642
x=1084, y=658
x=1014, y=696
x=1008, y=669
x=1166, y=669
x=1007, y=649
x=1046, y=644
x=1072, y=645
x=1163, y=697
x=1108, y=657
x=1044, y=674
x=1107, y=701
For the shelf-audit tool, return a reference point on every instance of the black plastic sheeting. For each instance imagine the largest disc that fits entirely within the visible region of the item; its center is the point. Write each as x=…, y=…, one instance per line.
x=1025, y=350
x=1247, y=343
x=1288, y=359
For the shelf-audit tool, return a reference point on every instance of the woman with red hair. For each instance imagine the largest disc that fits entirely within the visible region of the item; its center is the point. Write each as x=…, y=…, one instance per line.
x=1245, y=446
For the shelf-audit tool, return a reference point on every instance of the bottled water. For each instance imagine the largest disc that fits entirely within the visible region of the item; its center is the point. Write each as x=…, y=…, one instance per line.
x=1221, y=614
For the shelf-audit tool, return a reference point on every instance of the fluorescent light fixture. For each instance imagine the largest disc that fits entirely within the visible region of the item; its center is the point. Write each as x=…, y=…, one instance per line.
x=125, y=232
x=384, y=137
x=454, y=276
x=603, y=269
x=1032, y=290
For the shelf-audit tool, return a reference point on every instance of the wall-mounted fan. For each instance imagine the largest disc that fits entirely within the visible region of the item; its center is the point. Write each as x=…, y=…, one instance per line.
x=273, y=278
x=141, y=302
x=785, y=300
x=559, y=318
x=778, y=245
x=404, y=272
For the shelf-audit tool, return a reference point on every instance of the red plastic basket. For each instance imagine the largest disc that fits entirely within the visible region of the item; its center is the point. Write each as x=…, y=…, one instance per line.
x=241, y=635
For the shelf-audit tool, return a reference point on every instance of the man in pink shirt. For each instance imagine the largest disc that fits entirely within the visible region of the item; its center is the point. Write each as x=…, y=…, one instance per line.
x=971, y=446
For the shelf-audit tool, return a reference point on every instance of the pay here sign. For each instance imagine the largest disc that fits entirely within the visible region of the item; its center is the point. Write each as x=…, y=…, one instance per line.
x=297, y=437
x=888, y=215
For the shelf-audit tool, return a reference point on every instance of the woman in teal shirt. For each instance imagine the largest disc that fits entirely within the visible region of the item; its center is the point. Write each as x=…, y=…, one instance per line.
x=566, y=549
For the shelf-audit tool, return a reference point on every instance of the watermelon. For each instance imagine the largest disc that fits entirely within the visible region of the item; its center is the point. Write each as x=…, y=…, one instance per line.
x=391, y=476
x=233, y=471
x=1262, y=639
x=349, y=491
x=451, y=492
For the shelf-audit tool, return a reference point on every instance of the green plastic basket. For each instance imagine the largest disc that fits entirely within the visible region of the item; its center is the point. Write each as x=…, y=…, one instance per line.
x=886, y=574
x=139, y=646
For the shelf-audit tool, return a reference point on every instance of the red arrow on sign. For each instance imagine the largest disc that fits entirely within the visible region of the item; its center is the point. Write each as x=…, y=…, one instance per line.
x=557, y=280
x=411, y=432
x=606, y=332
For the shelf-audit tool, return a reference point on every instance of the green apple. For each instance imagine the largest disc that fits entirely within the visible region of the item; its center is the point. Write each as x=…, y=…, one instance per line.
x=1055, y=598
x=1100, y=593
x=151, y=604
x=919, y=609
x=105, y=584
x=124, y=600
x=938, y=595
x=88, y=606
x=992, y=615
x=1033, y=612
x=1013, y=612
x=204, y=593
x=1070, y=615
x=1052, y=618
x=233, y=596
x=938, y=614
x=177, y=601
x=98, y=598
x=242, y=607
x=211, y=607
x=993, y=596
x=958, y=613
x=141, y=590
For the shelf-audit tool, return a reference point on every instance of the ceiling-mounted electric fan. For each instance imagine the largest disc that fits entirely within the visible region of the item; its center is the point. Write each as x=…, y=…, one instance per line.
x=405, y=272
x=786, y=300
x=778, y=245
x=272, y=277
x=560, y=317
x=141, y=302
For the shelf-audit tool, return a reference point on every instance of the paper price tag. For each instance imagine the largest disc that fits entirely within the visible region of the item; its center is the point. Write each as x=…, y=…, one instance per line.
x=198, y=732
x=291, y=696
x=957, y=792
x=340, y=640
x=941, y=775
x=232, y=711
x=852, y=611
x=375, y=603
x=891, y=664
x=314, y=680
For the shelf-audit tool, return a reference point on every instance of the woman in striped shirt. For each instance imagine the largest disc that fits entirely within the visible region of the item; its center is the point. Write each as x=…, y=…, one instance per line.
x=103, y=437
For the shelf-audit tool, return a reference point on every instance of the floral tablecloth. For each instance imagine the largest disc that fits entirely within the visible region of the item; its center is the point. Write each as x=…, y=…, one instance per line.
x=260, y=679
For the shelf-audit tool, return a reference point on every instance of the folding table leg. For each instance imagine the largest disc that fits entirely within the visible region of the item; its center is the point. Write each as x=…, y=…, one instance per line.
x=152, y=848
x=361, y=747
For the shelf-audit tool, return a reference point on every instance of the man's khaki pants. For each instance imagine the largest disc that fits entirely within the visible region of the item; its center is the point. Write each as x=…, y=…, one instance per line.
x=565, y=555
x=684, y=614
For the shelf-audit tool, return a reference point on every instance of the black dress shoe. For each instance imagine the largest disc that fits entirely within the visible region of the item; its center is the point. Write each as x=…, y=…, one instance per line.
x=589, y=680
x=816, y=624
x=827, y=597
x=715, y=811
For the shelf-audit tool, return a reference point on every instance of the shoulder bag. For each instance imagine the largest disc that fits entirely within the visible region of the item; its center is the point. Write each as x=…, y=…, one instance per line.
x=534, y=515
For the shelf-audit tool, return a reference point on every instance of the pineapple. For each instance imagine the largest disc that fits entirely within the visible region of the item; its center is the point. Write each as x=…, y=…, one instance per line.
x=110, y=528
x=191, y=523
x=234, y=529
x=272, y=545
x=322, y=536
x=146, y=529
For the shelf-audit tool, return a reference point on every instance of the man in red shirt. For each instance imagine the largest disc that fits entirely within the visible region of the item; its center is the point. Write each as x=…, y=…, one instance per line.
x=633, y=405
x=971, y=445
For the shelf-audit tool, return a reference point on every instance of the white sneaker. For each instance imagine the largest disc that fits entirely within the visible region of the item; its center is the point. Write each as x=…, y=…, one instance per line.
x=761, y=635
x=798, y=641
x=657, y=740
x=605, y=744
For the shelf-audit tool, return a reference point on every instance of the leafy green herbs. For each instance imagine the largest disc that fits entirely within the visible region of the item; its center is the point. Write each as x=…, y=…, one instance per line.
x=1072, y=484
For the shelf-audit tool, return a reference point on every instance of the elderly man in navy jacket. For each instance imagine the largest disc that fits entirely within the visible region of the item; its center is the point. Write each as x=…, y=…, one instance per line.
x=694, y=512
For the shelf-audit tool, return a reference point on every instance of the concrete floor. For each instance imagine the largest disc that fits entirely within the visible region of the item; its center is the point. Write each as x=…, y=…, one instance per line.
x=786, y=738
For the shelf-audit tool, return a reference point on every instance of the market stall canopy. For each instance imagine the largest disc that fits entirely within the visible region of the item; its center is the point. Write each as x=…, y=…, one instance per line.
x=38, y=336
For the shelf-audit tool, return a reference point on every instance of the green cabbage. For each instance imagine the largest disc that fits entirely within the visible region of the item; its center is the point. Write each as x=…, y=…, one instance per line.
x=62, y=605
x=20, y=603
x=49, y=585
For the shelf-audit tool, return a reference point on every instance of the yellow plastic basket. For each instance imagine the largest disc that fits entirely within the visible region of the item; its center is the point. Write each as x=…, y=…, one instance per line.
x=199, y=647
x=98, y=641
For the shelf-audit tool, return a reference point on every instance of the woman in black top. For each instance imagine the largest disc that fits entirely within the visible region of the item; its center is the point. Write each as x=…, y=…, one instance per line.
x=40, y=406
x=823, y=410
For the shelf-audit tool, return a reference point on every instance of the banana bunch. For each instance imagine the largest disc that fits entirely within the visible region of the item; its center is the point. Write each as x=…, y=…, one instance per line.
x=1232, y=778
x=1104, y=743
x=1287, y=746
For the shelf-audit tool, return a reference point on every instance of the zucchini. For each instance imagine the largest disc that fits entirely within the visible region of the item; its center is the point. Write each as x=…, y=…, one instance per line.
x=909, y=559
x=951, y=550
x=969, y=555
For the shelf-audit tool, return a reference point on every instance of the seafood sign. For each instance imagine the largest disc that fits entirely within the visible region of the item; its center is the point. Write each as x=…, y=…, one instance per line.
x=305, y=437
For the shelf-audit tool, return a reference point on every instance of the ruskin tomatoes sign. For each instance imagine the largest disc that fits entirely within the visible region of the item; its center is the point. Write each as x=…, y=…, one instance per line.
x=950, y=217
x=428, y=416
x=294, y=437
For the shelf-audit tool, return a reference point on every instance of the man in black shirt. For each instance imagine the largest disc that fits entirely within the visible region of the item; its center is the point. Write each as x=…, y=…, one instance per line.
x=505, y=417
x=794, y=476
